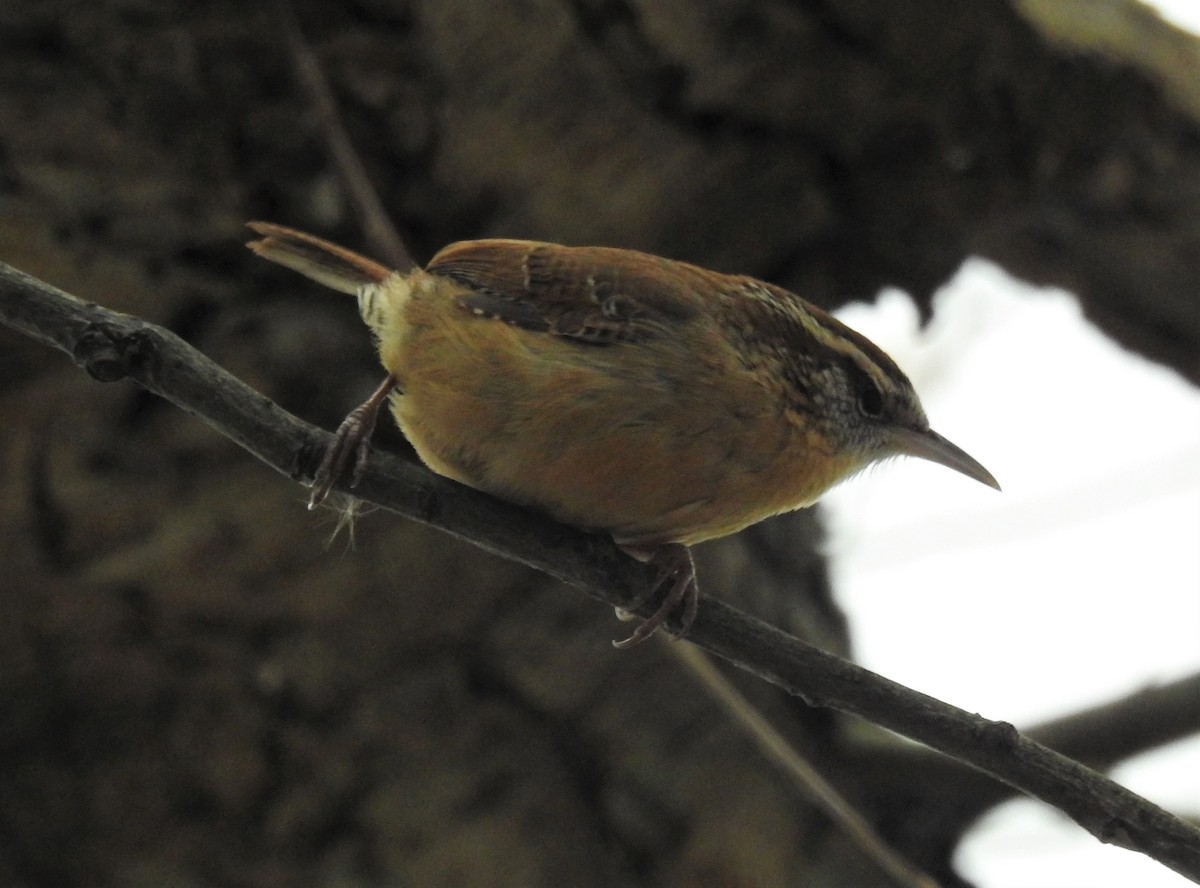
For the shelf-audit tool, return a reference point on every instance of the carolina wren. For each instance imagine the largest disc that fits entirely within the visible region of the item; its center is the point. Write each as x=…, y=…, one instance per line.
x=620, y=392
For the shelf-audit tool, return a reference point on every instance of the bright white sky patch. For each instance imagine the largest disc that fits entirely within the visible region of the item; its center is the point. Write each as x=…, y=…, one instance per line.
x=1038, y=601
x=1079, y=583
x=1182, y=13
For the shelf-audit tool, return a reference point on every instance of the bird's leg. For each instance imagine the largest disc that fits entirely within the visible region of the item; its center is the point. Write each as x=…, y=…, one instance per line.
x=352, y=437
x=678, y=574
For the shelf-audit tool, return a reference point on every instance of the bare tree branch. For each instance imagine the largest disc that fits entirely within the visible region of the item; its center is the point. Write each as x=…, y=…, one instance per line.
x=1099, y=737
x=110, y=346
x=1111, y=732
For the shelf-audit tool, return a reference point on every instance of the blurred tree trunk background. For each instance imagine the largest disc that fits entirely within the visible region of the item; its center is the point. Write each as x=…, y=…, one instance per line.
x=200, y=691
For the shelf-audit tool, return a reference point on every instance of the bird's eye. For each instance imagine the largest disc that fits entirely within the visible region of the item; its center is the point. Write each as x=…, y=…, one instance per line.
x=870, y=400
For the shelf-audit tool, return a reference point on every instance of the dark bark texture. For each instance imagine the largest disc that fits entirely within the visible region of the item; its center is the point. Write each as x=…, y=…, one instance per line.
x=199, y=690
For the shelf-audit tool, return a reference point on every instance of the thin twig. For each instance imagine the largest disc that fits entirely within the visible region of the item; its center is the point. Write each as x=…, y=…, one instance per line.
x=110, y=345
x=777, y=748
x=381, y=234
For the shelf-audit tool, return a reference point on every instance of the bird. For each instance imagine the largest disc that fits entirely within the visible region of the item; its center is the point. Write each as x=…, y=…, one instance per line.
x=652, y=400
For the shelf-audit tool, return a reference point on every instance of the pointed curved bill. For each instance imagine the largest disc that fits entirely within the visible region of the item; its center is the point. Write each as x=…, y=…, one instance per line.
x=932, y=446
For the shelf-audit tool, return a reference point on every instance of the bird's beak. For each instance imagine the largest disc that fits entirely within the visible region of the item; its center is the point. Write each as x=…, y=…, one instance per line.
x=930, y=445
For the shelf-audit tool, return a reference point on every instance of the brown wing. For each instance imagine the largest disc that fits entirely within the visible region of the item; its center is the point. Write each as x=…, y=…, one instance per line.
x=597, y=295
